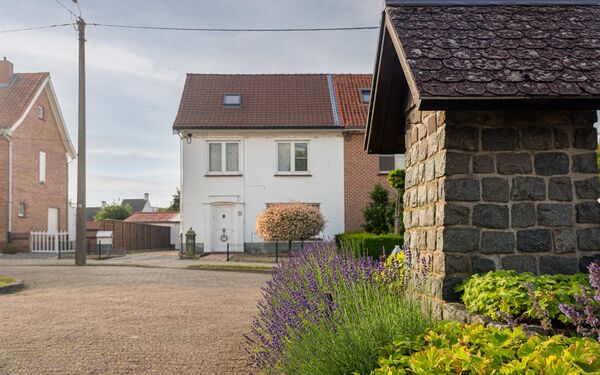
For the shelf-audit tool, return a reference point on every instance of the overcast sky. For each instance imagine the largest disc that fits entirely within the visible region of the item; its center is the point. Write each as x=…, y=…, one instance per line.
x=135, y=78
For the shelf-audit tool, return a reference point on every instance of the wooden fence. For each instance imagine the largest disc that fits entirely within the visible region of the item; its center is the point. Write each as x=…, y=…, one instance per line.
x=131, y=236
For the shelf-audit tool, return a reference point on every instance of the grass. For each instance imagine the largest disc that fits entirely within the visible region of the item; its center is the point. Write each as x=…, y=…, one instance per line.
x=5, y=280
x=232, y=266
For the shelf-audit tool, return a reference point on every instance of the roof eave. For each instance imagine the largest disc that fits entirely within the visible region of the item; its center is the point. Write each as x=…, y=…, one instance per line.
x=547, y=103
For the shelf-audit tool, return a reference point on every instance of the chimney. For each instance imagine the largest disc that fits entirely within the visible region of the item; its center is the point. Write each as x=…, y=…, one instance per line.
x=146, y=196
x=6, y=71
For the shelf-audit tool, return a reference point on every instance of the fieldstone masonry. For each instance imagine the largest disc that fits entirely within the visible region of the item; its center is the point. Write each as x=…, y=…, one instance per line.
x=501, y=190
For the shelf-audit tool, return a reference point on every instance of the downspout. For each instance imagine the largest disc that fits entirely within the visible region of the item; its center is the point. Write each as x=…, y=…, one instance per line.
x=10, y=202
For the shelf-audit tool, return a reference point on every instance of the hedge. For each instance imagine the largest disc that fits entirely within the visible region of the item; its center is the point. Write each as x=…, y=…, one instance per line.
x=368, y=244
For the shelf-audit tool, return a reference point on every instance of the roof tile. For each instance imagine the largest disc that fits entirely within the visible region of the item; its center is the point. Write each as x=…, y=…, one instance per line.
x=16, y=97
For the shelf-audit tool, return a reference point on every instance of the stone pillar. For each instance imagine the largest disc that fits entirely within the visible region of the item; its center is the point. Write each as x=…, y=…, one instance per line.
x=501, y=190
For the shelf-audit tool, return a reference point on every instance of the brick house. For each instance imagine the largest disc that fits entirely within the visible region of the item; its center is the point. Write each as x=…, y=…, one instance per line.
x=495, y=106
x=248, y=141
x=34, y=153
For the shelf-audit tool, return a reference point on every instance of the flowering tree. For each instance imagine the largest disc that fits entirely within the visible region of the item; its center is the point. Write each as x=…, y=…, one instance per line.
x=289, y=222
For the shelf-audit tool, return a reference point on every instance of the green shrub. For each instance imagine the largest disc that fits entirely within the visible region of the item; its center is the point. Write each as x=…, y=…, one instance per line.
x=379, y=215
x=5, y=280
x=453, y=348
x=368, y=244
x=505, y=291
x=9, y=249
x=368, y=318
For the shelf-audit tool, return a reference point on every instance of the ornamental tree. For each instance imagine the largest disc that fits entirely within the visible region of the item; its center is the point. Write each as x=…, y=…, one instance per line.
x=289, y=222
x=114, y=211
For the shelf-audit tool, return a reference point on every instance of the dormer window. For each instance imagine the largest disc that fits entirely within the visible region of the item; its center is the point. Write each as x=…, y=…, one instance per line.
x=232, y=100
x=40, y=112
x=365, y=95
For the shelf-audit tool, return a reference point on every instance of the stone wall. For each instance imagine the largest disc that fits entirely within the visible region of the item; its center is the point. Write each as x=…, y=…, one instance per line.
x=502, y=190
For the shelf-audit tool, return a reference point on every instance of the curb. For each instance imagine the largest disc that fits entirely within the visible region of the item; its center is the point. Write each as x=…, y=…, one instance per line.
x=11, y=288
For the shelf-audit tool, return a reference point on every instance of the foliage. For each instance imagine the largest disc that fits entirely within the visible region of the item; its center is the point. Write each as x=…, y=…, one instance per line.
x=327, y=312
x=9, y=249
x=379, y=215
x=506, y=292
x=289, y=222
x=454, y=348
x=585, y=312
x=5, y=280
x=175, y=201
x=368, y=244
x=368, y=318
x=113, y=211
x=396, y=181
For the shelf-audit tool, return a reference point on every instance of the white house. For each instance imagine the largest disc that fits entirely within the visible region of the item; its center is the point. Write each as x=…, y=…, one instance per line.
x=248, y=141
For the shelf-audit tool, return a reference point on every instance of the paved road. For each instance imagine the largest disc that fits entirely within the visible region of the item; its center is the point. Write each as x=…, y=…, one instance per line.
x=126, y=320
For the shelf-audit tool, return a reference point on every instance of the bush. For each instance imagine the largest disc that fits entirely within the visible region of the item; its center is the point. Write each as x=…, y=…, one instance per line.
x=379, y=216
x=506, y=292
x=113, y=211
x=326, y=312
x=367, y=244
x=289, y=222
x=9, y=249
x=453, y=348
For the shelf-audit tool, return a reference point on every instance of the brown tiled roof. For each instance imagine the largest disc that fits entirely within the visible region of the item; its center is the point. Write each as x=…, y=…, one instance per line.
x=152, y=217
x=501, y=51
x=15, y=98
x=352, y=111
x=268, y=101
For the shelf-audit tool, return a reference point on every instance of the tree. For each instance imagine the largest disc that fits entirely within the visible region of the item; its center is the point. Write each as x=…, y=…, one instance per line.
x=396, y=181
x=113, y=211
x=379, y=216
x=176, y=198
x=289, y=222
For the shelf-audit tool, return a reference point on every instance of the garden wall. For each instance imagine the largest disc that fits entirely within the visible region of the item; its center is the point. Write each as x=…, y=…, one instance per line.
x=501, y=190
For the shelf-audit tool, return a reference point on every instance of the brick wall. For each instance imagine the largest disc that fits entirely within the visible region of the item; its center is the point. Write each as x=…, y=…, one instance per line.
x=361, y=173
x=501, y=190
x=31, y=137
x=3, y=192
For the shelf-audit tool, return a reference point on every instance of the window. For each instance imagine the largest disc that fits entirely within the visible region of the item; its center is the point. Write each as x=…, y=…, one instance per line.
x=232, y=100
x=292, y=157
x=388, y=163
x=223, y=157
x=42, y=167
x=21, y=209
x=40, y=112
x=365, y=95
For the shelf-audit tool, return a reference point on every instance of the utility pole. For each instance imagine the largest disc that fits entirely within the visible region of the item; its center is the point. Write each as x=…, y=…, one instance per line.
x=80, y=245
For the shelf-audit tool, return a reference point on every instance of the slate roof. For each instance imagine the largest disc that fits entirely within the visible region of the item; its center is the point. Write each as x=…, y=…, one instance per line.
x=501, y=51
x=154, y=217
x=16, y=97
x=273, y=101
x=136, y=204
x=352, y=111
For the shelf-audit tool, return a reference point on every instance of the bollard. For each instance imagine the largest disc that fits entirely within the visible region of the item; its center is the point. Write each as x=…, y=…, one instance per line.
x=228, y=251
x=277, y=252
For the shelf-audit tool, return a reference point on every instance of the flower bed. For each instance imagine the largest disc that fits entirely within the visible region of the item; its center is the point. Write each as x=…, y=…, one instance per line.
x=454, y=348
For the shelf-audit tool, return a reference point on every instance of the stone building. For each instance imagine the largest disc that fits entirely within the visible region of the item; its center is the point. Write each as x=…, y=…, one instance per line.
x=495, y=107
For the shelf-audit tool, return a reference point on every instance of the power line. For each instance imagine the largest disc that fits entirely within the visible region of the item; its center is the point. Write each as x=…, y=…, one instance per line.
x=66, y=8
x=207, y=29
x=34, y=28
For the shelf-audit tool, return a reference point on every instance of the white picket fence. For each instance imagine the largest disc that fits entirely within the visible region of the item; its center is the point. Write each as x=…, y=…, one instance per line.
x=44, y=242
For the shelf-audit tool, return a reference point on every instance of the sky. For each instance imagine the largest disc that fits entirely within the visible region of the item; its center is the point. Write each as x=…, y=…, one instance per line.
x=135, y=77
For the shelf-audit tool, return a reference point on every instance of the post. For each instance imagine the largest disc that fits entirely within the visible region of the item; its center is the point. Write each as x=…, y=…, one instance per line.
x=100, y=251
x=228, y=251
x=58, y=246
x=277, y=252
x=81, y=186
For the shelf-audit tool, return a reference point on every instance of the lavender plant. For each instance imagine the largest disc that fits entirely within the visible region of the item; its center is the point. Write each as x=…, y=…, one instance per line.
x=585, y=312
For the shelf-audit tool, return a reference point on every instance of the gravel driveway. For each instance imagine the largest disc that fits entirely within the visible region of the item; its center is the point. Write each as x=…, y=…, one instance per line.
x=126, y=320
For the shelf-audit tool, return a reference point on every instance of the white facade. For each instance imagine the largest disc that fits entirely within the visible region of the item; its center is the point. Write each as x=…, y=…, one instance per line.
x=222, y=207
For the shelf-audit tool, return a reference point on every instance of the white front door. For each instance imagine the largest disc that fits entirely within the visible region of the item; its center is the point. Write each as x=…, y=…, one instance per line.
x=52, y=220
x=223, y=232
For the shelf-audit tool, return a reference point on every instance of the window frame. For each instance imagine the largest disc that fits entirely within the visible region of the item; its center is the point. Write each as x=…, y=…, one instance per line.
x=362, y=95
x=225, y=104
x=40, y=112
x=379, y=163
x=43, y=167
x=292, y=171
x=223, y=171
x=21, y=209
